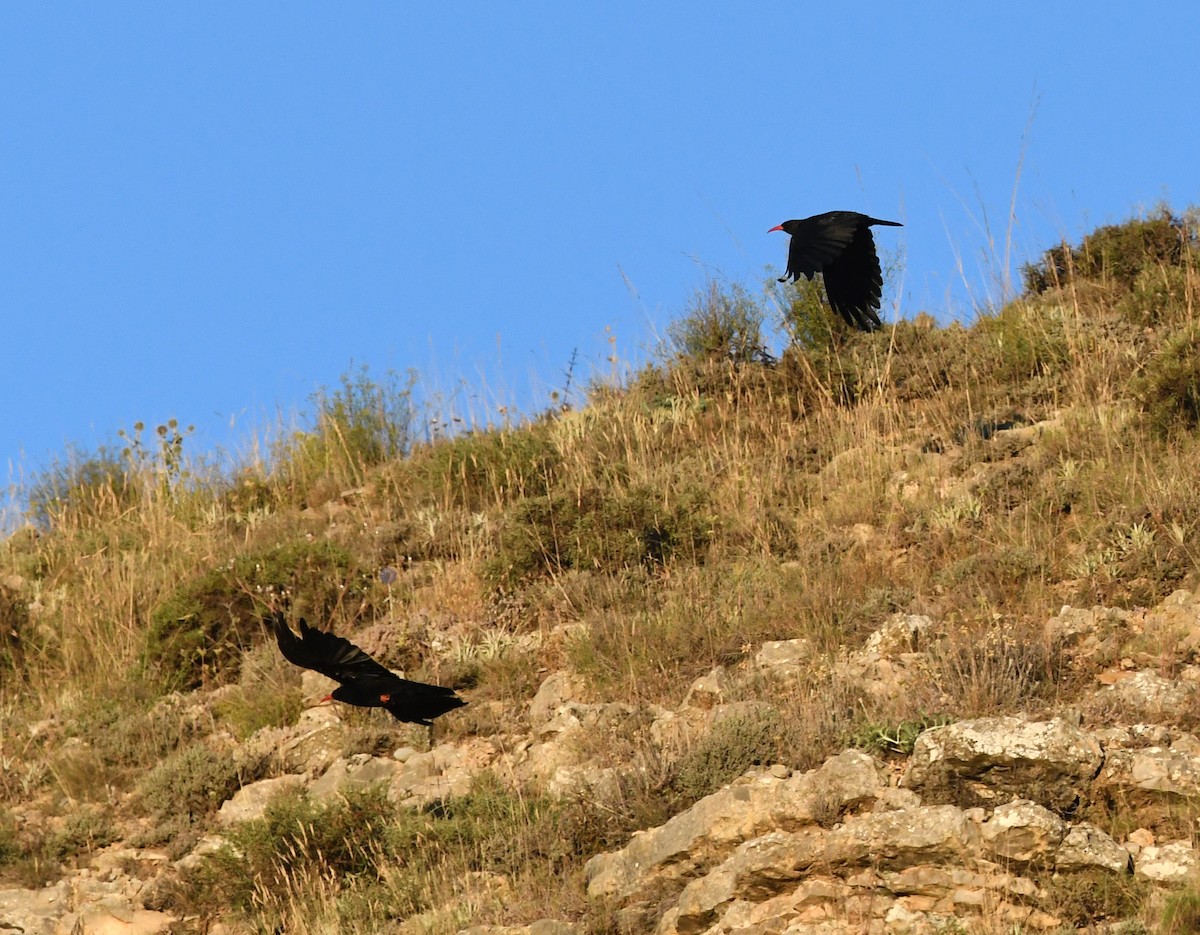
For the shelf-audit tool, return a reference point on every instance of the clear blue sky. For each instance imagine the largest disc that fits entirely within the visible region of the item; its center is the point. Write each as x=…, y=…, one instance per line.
x=209, y=210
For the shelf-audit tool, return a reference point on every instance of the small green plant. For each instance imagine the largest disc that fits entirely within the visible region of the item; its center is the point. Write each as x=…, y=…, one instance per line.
x=758, y=737
x=807, y=318
x=83, y=831
x=1180, y=913
x=248, y=709
x=720, y=325
x=166, y=464
x=1088, y=898
x=126, y=731
x=895, y=739
x=26, y=859
x=479, y=470
x=10, y=842
x=1027, y=341
x=965, y=510
x=354, y=427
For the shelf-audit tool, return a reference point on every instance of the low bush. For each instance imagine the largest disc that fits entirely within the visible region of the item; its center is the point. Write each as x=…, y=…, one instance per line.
x=602, y=531
x=1169, y=387
x=198, y=633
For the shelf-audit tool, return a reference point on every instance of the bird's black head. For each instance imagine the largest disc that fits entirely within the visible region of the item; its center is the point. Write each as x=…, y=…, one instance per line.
x=788, y=227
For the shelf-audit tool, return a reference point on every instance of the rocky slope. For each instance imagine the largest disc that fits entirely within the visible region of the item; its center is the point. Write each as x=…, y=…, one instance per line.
x=1001, y=821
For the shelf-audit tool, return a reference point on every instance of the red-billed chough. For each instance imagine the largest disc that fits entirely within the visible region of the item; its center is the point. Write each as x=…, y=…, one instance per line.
x=364, y=682
x=839, y=246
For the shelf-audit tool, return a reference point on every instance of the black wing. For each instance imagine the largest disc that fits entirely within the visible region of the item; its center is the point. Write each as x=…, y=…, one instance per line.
x=818, y=241
x=854, y=282
x=323, y=652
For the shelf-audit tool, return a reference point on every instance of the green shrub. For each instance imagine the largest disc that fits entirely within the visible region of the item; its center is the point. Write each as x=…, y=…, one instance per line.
x=246, y=710
x=1026, y=341
x=369, y=844
x=84, y=830
x=1117, y=253
x=485, y=469
x=10, y=841
x=720, y=325
x=125, y=732
x=1160, y=294
x=191, y=783
x=199, y=632
x=1082, y=900
x=358, y=425
x=27, y=857
x=88, y=488
x=1169, y=387
x=601, y=531
x=759, y=737
x=14, y=631
x=1180, y=913
x=83, y=490
x=808, y=319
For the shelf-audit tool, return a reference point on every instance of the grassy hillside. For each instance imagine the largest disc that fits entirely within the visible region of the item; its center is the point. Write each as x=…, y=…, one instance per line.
x=983, y=475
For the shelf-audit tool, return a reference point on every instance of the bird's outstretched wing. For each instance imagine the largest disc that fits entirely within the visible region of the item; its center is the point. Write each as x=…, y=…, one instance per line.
x=818, y=241
x=854, y=282
x=323, y=652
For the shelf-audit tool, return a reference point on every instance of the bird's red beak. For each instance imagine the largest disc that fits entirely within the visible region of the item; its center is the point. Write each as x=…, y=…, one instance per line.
x=326, y=699
x=777, y=227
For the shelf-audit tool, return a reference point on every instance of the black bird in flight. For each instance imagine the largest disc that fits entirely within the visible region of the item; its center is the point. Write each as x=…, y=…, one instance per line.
x=839, y=246
x=365, y=682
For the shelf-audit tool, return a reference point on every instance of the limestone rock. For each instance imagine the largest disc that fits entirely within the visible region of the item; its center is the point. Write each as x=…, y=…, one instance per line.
x=1023, y=832
x=760, y=802
x=209, y=844
x=889, y=661
x=783, y=658
x=447, y=770
x=102, y=920
x=994, y=757
x=540, y=927
x=315, y=741
x=902, y=633
x=556, y=690
x=1147, y=694
x=771, y=864
x=1168, y=863
x=34, y=912
x=1086, y=846
x=1084, y=633
x=358, y=772
x=251, y=801
x=1153, y=770
x=709, y=690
